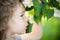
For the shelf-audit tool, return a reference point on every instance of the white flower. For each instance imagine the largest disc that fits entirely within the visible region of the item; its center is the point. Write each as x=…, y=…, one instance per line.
x=58, y=0
x=57, y=13
x=29, y=17
x=28, y=3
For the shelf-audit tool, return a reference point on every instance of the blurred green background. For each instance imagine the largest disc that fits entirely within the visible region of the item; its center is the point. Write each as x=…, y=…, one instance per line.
x=51, y=29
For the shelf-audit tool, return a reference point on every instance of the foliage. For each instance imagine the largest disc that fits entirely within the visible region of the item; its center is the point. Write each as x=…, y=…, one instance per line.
x=44, y=8
x=29, y=27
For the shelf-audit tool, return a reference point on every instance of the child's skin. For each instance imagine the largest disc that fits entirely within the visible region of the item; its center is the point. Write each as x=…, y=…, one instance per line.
x=18, y=25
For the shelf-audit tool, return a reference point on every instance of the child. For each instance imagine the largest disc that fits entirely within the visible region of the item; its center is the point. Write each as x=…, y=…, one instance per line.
x=13, y=21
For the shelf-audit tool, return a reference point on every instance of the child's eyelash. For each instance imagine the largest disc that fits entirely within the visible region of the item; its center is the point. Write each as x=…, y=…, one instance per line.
x=21, y=15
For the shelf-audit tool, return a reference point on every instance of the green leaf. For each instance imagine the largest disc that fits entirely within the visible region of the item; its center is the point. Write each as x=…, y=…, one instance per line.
x=36, y=5
x=36, y=19
x=44, y=8
x=37, y=11
x=50, y=13
x=54, y=3
x=44, y=1
x=29, y=27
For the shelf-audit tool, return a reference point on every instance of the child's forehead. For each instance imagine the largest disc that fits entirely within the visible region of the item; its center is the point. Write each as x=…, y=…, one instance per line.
x=19, y=9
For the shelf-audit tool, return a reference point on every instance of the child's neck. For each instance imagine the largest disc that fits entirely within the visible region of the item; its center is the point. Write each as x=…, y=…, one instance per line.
x=8, y=35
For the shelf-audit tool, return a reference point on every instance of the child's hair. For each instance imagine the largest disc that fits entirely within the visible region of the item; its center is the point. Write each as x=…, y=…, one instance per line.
x=6, y=12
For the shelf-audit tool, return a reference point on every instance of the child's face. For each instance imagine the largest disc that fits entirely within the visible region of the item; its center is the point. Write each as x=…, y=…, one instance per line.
x=18, y=22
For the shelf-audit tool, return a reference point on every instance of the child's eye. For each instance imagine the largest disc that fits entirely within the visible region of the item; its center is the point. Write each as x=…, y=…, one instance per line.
x=21, y=16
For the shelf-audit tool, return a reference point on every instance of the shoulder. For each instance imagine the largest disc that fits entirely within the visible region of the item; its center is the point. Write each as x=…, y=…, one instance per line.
x=17, y=37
